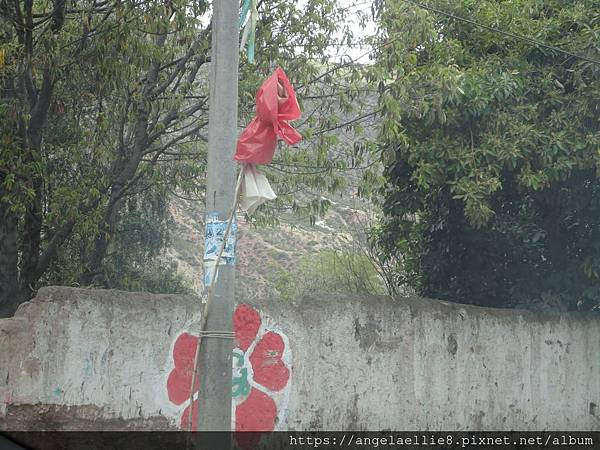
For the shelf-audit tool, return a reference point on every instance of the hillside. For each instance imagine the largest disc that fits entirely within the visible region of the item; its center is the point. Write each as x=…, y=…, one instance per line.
x=265, y=255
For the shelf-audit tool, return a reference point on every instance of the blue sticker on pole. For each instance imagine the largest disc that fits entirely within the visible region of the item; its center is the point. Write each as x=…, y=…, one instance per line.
x=210, y=276
x=214, y=234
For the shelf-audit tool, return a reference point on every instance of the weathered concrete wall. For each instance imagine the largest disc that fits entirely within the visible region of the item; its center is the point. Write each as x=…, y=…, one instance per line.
x=82, y=359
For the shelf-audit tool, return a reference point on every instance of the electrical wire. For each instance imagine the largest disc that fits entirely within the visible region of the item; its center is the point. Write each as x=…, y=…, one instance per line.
x=506, y=33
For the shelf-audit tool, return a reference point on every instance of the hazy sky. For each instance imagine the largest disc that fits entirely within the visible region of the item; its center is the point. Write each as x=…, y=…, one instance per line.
x=354, y=8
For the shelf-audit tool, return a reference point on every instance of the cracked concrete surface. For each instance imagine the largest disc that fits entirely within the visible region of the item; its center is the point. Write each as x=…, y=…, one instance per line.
x=93, y=359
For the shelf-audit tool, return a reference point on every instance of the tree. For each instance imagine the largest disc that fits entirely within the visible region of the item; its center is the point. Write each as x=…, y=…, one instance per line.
x=104, y=106
x=92, y=92
x=491, y=144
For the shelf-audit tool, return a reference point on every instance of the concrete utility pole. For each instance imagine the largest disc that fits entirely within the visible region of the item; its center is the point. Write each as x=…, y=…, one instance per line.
x=215, y=354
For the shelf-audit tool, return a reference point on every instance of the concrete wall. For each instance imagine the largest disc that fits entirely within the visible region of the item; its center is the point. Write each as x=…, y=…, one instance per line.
x=83, y=359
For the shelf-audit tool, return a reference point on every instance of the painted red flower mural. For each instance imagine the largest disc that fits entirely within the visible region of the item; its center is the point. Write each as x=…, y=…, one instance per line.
x=180, y=378
x=261, y=373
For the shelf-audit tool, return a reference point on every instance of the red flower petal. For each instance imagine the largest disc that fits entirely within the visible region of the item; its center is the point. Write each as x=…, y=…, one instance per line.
x=184, y=351
x=269, y=370
x=246, y=322
x=257, y=413
x=186, y=417
x=179, y=384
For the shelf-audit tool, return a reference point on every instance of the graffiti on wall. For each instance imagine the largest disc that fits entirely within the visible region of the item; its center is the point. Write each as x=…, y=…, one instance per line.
x=261, y=375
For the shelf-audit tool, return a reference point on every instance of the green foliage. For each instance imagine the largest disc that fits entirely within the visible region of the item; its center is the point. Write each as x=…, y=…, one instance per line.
x=492, y=146
x=133, y=261
x=157, y=277
x=329, y=271
x=105, y=102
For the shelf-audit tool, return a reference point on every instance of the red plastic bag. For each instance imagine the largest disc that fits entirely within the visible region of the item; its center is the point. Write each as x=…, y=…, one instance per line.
x=275, y=104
